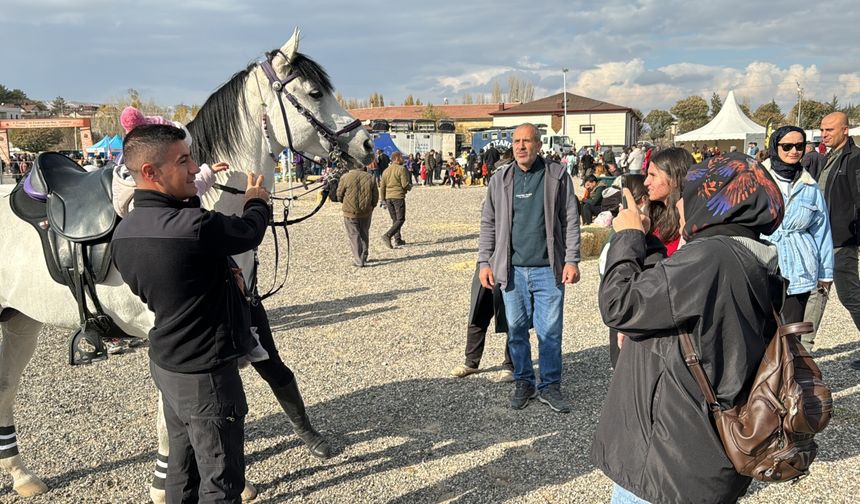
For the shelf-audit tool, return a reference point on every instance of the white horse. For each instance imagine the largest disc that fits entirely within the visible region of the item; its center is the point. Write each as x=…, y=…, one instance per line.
x=229, y=127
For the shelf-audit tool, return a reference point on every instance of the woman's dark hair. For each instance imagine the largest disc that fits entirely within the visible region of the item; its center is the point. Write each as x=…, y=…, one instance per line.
x=636, y=183
x=665, y=219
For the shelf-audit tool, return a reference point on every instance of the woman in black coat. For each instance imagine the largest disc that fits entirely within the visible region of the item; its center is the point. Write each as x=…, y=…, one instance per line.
x=655, y=438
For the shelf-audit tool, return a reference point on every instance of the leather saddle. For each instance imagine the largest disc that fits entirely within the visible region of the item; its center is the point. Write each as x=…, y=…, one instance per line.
x=72, y=211
x=79, y=204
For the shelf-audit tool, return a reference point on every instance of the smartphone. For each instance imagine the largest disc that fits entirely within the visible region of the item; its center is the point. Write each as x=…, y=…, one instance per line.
x=623, y=196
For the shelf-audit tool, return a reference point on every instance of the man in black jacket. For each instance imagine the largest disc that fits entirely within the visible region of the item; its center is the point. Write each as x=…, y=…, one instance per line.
x=840, y=180
x=176, y=257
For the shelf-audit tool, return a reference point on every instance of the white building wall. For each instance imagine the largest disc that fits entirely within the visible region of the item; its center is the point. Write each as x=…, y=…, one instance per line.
x=610, y=128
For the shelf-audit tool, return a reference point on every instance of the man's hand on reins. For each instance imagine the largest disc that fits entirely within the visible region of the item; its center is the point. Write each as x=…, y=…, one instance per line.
x=255, y=189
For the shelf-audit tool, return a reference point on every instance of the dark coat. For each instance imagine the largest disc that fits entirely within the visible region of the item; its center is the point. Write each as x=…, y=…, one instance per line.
x=482, y=299
x=842, y=194
x=655, y=437
x=175, y=257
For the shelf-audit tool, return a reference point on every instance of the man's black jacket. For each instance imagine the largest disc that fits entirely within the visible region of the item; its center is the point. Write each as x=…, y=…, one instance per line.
x=842, y=194
x=176, y=257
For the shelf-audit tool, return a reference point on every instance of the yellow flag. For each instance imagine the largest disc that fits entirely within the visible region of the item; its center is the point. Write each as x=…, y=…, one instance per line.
x=767, y=131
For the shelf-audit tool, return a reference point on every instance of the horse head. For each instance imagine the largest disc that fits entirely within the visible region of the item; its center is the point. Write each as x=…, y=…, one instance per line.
x=304, y=112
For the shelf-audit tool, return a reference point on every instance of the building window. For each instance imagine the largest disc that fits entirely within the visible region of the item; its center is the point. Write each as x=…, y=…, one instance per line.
x=485, y=136
x=504, y=134
x=586, y=129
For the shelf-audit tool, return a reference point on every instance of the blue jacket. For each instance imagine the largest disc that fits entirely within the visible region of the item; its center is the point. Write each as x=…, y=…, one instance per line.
x=803, y=240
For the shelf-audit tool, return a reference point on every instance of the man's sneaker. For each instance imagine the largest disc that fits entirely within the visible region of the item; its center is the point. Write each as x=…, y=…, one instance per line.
x=114, y=346
x=463, y=371
x=551, y=396
x=399, y=243
x=523, y=393
x=386, y=240
x=506, y=376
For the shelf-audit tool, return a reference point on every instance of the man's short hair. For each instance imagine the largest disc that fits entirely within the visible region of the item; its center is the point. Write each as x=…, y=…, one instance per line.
x=589, y=178
x=148, y=143
x=536, y=135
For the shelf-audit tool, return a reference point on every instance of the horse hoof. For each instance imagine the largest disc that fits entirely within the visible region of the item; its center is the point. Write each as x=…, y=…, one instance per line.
x=249, y=493
x=30, y=486
x=156, y=495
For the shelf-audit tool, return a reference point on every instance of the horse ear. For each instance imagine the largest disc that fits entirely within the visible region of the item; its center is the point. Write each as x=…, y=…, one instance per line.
x=288, y=51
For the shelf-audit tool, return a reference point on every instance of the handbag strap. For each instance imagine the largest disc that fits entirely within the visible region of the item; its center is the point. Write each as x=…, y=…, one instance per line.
x=692, y=361
x=695, y=366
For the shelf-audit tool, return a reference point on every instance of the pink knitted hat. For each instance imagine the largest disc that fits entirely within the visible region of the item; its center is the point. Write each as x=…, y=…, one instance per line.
x=132, y=118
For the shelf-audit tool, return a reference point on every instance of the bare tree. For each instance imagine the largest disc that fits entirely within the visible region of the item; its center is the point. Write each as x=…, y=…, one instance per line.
x=467, y=99
x=496, y=95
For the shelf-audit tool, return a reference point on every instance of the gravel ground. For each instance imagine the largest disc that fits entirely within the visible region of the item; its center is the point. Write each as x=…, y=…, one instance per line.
x=372, y=349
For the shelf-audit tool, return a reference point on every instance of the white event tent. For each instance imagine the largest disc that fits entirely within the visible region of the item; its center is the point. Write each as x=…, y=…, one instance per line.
x=729, y=127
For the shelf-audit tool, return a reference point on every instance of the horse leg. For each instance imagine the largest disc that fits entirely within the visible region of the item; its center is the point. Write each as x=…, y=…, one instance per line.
x=20, y=335
x=156, y=490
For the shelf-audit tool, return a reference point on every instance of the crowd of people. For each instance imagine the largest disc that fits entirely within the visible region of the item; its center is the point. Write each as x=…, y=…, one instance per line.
x=761, y=230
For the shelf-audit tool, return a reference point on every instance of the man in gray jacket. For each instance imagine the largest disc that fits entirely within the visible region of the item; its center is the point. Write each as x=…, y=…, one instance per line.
x=529, y=245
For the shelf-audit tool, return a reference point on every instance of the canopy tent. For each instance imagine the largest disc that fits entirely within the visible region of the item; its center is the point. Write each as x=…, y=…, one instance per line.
x=99, y=146
x=730, y=125
x=384, y=143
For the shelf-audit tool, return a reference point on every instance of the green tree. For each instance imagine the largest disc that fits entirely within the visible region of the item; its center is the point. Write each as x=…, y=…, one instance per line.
x=37, y=139
x=12, y=95
x=58, y=106
x=692, y=113
x=716, y=105
x=811, y=112
x=745, y=109
x=409, y=100
x=639, y=119
x=769, y=112
x=659, y=121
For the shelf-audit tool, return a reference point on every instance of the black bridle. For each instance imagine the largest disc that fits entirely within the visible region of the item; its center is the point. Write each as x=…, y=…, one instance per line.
x=279, y=87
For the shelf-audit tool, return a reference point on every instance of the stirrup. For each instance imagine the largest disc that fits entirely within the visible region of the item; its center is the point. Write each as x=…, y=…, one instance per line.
x=86, y=345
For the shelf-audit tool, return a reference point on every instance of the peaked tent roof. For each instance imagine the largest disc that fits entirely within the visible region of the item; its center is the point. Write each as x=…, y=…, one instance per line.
x=730, y=124
x=554, y=105
x=100, y=145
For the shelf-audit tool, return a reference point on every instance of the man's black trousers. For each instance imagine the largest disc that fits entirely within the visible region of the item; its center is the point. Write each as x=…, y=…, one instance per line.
x=205, y=416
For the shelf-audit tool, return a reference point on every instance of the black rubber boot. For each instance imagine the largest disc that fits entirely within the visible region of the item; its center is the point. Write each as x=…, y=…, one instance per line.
x=291, y=401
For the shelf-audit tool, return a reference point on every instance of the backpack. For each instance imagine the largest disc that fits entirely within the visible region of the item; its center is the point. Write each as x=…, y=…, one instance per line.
x=769, y=435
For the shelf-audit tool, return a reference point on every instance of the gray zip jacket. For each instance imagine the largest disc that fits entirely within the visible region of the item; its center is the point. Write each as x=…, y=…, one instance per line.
x=561, y=216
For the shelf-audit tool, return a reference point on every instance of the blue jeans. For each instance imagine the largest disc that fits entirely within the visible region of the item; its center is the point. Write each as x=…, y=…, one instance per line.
x=533, y=298
x=622, y=496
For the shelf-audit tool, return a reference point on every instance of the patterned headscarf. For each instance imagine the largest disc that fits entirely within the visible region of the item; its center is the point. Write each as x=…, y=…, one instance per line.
x=731, y=188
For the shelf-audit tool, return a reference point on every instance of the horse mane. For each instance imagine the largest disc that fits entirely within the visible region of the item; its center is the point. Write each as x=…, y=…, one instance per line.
x=217, y=125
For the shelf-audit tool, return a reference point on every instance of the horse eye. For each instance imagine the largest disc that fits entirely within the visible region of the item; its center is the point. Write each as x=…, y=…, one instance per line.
x=316, y=94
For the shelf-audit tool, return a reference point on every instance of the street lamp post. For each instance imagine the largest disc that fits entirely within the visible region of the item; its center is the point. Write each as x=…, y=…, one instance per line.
x=564, y=98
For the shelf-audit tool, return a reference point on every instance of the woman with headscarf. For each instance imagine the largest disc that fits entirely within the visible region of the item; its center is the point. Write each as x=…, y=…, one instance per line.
x=655, y=438
x=803, y=239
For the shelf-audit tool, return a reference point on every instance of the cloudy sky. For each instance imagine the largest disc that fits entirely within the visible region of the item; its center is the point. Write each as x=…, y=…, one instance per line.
x=644, y=54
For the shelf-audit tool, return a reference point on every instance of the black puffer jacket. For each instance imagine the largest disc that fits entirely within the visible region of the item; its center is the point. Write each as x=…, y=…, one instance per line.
x=655, y=437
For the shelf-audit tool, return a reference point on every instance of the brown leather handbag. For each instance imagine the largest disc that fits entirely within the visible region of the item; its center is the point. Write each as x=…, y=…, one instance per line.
x=769, y=435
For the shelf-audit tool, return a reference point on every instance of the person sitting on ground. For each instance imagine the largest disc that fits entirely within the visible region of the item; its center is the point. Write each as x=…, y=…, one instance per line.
x=592, y=198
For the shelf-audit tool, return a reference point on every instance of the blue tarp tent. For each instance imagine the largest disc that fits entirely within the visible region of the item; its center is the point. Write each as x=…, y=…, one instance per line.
x=99, y=146
x=384, y=142
x=116, y=143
